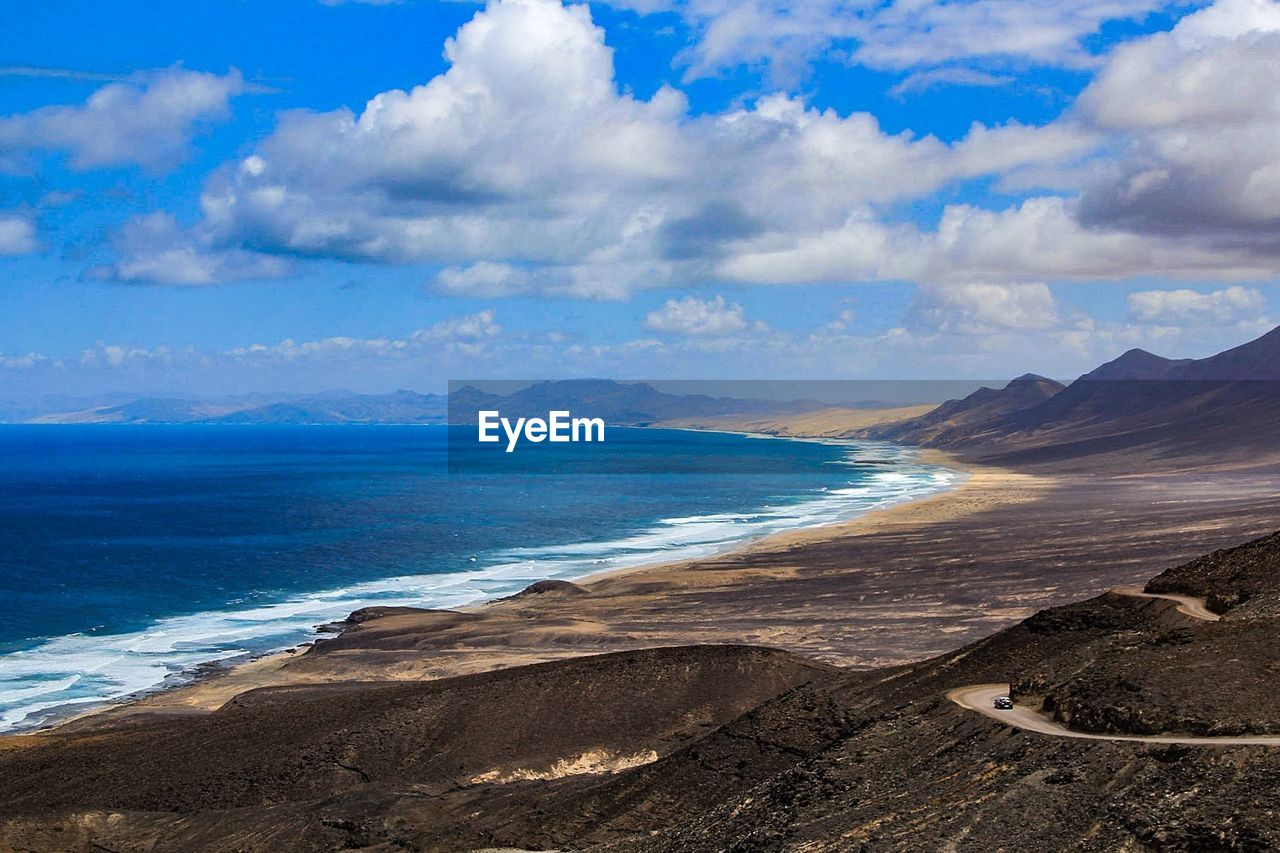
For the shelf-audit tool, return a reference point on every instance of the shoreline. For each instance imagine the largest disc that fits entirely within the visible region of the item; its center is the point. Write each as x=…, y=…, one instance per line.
x=798, y=535
x=525, y=758
x=210, y=684
x=893, y=586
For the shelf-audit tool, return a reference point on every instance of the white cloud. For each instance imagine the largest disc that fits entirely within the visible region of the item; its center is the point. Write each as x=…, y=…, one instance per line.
x=950, y=330
x=1193, y=308
x=17, y=235
x=984, y=309
x=842, y=320
x=698, y=317
x=785, y=35
x=470, y=335
x=934, y=78
x=148, y=120
x=519, y=151
x=910, y=35
x=1040, y=238
x=154, y=249
x=25, y=361
x=524, y=168
x=469, y=330
x=483, y=278
x=1198, y=110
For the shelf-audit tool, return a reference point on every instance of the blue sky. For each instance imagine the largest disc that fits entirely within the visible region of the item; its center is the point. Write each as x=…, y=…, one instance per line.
x=224, y=197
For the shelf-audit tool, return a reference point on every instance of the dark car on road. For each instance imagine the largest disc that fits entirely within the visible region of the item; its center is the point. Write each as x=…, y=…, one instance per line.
x=1004, y=703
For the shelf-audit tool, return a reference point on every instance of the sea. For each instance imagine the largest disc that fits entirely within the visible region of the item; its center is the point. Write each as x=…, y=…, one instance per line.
x=131, y=555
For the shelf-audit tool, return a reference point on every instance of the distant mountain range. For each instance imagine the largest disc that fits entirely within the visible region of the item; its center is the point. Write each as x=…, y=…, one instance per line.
x=405, y=407
x=623, y=403
x=957, y=419
x=1226, y=404
x=1140, y=402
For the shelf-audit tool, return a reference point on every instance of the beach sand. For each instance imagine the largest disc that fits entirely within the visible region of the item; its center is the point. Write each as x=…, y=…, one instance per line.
x=835, y=422
x=895, y=585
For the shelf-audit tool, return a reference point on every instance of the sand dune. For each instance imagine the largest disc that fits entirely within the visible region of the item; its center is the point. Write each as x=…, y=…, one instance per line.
x=823, y=423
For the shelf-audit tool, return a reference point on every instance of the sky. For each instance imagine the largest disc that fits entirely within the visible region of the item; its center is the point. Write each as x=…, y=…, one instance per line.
x=221, y=198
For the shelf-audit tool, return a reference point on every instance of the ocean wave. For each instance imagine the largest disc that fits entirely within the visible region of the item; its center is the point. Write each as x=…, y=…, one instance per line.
x=69, y=674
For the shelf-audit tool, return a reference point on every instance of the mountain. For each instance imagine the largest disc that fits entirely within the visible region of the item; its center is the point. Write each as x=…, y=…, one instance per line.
x=1136, y=364
x=1255, y=361
x=621, y=403
x=1143, y=404
x=709, y=748
x=406, y=407
x=398, y=407
x=145, y=410
x=958, y=419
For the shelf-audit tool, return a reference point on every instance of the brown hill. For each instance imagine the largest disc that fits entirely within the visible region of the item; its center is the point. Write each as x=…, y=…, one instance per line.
x=715, y=748
x=287, y=767
x=959, y=420
x=1138, y=408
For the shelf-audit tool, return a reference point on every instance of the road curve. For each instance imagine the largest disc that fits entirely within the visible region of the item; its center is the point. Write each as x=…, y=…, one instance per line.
x=980, y=697
x=1187, y=605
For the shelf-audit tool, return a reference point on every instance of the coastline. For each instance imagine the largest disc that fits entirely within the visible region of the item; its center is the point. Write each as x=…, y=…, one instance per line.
x=678, y=747
x=977, y=488
x=697, y=532
x=894, y=586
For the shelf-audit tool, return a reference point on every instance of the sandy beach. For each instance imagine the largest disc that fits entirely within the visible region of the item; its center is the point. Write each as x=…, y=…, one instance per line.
x=895, y=585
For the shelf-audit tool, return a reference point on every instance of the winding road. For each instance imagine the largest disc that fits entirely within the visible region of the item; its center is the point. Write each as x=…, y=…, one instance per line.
x=1187, y=605
x=981, y=697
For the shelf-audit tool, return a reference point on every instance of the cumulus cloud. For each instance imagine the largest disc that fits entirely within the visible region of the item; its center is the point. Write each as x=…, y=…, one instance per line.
x=148, y=121
x=698, y=317
x=470, y=334
x=155, y=249
x=1193, y=308
x=23, y=361
x=1042, y=237
x=1198, y=109
x=984, y=309
x=473, y=330
x=948, y=331
x=483, y=278
x=911, y=35
x=428, y=355
x=17, y=235
x=523, y=167
x=785, y=35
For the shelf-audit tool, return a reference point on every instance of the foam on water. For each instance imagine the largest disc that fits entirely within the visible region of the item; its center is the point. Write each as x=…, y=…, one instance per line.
x=69, y=674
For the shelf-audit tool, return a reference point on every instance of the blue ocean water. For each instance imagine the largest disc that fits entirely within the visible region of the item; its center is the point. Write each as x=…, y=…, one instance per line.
x=131, y=554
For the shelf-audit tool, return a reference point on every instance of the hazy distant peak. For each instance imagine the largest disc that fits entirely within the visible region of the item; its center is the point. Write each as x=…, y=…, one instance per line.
x=1034, y=379
x=1258, y=359
x=1135, y=364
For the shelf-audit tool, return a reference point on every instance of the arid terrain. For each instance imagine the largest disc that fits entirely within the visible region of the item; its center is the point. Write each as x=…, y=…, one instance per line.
x=835, y=422
x=819, y=690
x=726, y=747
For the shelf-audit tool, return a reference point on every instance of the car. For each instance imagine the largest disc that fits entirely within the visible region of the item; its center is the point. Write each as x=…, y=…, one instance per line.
x=1003, y=703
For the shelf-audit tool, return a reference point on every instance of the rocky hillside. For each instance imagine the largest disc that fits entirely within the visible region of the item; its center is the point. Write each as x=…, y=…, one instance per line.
x=970, y=418
x=716, y=748
x=1139, y=409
